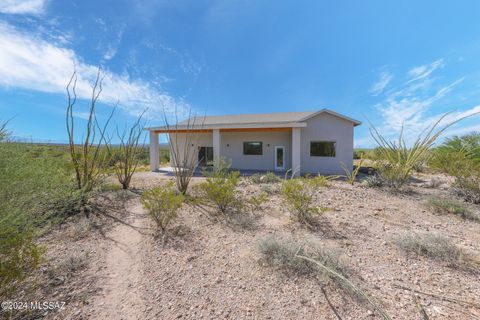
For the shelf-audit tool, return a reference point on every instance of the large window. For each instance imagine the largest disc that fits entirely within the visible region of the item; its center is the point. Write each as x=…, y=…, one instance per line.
x=322, y=148
x=253, y=148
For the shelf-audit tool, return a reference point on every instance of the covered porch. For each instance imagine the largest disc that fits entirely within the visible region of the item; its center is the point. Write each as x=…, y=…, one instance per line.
x=279, y=146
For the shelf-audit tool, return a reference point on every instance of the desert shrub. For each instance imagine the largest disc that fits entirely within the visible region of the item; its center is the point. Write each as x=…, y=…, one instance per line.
x=460, y=158
x=220, y=188
x=351, y=175
x=431, y=245
x=313, y=260
x=299, y=196
x=397, y=160
x=74, y=263
x=268, y=177
x=19, y=254
x=162, y=204
x=256, y=201
x=373, y=181
x=444, y=206
x=270, y=189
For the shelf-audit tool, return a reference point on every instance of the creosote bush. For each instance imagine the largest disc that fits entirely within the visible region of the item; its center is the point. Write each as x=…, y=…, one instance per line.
x=431, y=245
x=220, y=188
x=162, y=204
x=445, y=206
x=299, y=196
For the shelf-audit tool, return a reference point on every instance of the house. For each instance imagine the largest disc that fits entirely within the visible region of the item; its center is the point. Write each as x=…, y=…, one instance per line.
x=306, y=142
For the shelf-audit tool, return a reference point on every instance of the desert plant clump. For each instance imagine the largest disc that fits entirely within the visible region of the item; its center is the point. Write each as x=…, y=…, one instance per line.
x=256, y=201
x=219, y=188
x=445, y=206
x=299, y=195
x=127, y=153
x=351, y=175
x=431, y=245
x=460, y=157
x=397, y=160
x=162, y=204
x=373, y=181
x=313, y=260
x=268, y=177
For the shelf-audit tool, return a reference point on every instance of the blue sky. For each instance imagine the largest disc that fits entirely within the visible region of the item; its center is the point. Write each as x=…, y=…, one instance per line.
x=387, y=62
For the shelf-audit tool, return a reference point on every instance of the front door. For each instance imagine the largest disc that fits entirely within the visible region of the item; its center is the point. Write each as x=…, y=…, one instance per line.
x=279, y=158
x=205, y=156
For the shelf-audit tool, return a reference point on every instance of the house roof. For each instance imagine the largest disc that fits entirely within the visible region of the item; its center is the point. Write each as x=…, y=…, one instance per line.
x=254, y=120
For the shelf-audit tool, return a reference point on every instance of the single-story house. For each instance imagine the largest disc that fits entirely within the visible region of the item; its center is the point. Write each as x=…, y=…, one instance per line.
x=304, y=142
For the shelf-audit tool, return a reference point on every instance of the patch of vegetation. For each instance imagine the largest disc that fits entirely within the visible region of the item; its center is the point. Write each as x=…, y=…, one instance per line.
x=220, y=188
x=397, y=160
x=351, y=175
x=460, y=158
x=315, y=261
x=299, y=195
x=268, y=177
x=162, y=204
x=75, y=263
x=431, y=245
x=256, y=201
x=373, y=181
x=445, y=206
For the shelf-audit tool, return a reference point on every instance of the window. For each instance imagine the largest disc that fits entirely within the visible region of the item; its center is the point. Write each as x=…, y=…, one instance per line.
x=253, y=148
x=322, y=148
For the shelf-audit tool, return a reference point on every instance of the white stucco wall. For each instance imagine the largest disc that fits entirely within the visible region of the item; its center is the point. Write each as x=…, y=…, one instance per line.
x=326, y=127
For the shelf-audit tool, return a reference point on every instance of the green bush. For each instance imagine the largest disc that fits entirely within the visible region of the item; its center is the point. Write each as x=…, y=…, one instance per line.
x=299, y=196
x=220, y=188
x=444, y=206
x=256, y=201
x=460, y=158
x=19, y=254
x=162, y=204
x=397, y=160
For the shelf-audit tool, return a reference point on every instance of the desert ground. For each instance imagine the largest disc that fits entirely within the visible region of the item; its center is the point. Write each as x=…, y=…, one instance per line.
x=113, y=266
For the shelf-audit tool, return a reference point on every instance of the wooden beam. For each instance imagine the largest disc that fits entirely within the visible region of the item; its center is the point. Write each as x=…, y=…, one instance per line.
x=184, y=131
x=255, y=129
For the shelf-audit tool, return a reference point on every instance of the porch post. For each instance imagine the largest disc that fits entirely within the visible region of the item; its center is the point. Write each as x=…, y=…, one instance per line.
x=154, y=156
x=216, y=145
x=296, y=156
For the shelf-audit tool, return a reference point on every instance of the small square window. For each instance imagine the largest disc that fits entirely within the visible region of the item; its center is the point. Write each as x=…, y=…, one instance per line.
x=253, y=148
x=322, y=148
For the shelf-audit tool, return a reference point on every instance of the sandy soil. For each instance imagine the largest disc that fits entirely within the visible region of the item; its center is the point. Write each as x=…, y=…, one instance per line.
x=208, y=269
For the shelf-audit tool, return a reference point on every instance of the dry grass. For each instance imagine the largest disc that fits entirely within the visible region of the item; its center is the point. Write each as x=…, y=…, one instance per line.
x=445, y=206
x=431, y=245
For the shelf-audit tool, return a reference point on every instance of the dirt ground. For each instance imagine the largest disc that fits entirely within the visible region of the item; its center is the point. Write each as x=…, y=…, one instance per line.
x=112, y=267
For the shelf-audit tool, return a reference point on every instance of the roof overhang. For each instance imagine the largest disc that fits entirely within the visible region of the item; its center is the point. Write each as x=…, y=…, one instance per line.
x=227, y=127
x=333, y=113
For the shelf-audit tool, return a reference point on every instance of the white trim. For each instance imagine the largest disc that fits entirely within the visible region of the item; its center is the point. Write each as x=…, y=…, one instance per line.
x=333, y=113
x=233, y=126
x=277, y=168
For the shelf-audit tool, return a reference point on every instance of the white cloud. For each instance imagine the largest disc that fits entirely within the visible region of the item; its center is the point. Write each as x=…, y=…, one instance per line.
x=29, y=62
x=384, y=79
x=34, y=7
x=422, y=72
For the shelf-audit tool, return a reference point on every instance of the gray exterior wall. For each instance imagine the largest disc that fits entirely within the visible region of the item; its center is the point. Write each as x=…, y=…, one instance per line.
x=266, y=161
x=326, y=127
x=323, y=127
